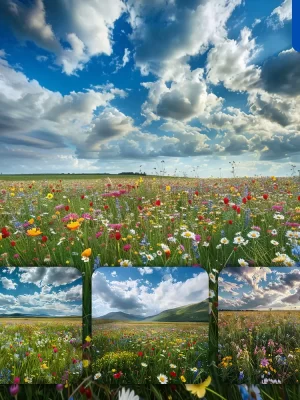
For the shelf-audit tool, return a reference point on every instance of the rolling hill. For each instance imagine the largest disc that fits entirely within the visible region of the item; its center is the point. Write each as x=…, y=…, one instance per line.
x=197, y=312
x=121, y=316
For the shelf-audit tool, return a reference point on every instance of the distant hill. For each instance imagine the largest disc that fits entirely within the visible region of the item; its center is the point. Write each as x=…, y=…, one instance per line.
x=121, y=316
x=197, y=312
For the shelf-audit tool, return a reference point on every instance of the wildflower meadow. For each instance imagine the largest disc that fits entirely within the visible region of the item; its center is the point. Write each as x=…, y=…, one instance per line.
x=150, y=221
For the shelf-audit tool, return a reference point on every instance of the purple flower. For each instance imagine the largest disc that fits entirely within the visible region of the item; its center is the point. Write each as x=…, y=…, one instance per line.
x=264, y=362
x=14, y=390
x=60, y=387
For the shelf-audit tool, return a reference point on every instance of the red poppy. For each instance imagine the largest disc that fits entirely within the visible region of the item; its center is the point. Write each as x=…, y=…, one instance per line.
x=88, y=393
x=67, y=208
x=226, y=200
x=140, y=354
x=44, y=239
x=13, y=243
x=230, y=222
x=91, y=204
x=197, y=193
x=173, y=374
x=244, y=200
x=82, y=389
x=118, y=236
x=157, y=203
x=265, y=196
x=5, y=233
x=82, y=196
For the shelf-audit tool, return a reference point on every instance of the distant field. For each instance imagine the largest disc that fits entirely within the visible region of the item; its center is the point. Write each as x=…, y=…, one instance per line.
x=142, y=351
x=40, y=320
x=39, y=177
x=259, y=346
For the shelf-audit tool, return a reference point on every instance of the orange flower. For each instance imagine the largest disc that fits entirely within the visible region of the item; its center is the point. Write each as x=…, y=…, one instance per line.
x=34, y=232
x=86, y=253
x=73, y=225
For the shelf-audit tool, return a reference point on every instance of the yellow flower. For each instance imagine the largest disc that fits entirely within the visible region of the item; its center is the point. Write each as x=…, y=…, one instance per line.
x=31, y=221
x=0, y=236
x=182, y=378
x=49, y=196
x=86, y=253
x=44, y=366
x=73, y=225
x=88, y=339
x=12, y=194
x=85, y=363
x=168, y=188
x=34, y=232
x=200, y=389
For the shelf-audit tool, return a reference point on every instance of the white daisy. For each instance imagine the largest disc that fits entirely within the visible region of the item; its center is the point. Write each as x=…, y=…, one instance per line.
x=163, y=379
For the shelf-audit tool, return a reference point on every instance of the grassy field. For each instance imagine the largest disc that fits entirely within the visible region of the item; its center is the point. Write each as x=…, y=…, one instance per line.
x=40, y=350
x=149, y=221
x=259, y=346
x=143, y=351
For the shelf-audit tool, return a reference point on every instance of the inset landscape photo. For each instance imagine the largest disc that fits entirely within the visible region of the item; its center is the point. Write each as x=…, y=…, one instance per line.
x=259, y=325
x=150, y=325
x=40, y=325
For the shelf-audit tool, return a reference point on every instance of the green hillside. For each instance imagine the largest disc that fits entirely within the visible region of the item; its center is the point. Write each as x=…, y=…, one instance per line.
x=192, y=313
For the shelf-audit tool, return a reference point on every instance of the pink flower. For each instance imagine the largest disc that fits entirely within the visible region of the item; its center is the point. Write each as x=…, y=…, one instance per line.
x=277, y=208
x=115, y=226
x=127, y=247
x=98, y=234
x=198, y=238
x=70, y=216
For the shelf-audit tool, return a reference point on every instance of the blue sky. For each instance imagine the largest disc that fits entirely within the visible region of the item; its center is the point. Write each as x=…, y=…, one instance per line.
x=249, y=288
x=146, y=291
x=108, y=86
x=41, y=291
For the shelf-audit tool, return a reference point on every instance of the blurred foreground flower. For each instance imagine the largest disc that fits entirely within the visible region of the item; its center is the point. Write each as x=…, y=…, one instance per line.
x=199, y=389
x=127, y=395
x=251, y=393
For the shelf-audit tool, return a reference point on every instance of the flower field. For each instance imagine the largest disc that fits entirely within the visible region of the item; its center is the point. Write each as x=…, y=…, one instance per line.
x=157, y=353
x=40, y=350
x=261, y=347
x=150, y=221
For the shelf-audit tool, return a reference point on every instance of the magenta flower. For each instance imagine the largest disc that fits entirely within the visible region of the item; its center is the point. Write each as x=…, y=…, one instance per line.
x=127, y=247
x=198, y=238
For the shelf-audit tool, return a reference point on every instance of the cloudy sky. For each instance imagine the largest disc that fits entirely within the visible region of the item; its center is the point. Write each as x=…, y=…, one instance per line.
x=103, y=86
x=52, y=291
x=249, y=288
x=146, y=291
